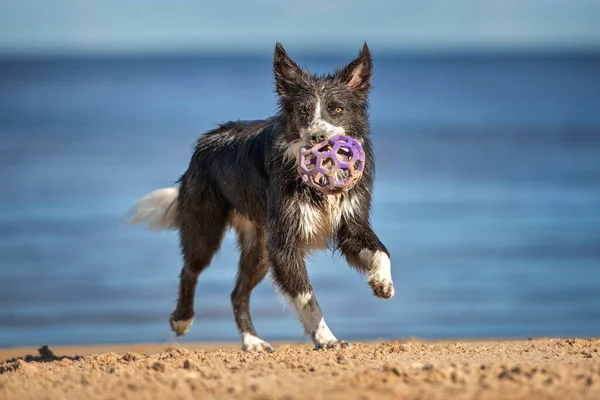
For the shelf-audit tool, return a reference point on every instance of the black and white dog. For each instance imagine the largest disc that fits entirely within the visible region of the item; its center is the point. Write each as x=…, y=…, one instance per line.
x=244, y=175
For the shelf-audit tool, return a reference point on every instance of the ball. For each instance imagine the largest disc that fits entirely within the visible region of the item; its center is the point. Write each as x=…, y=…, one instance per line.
x=333, y=166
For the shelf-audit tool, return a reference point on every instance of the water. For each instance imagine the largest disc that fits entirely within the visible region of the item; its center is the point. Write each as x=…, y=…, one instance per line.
x=487, y=196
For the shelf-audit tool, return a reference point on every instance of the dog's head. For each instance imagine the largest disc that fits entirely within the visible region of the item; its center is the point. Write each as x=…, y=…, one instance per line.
x=319, y=107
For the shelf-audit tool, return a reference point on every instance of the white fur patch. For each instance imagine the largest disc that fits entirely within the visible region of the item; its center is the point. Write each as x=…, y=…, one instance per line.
x=323, y=128
x=318, y=224
x=311, y=221
x=292, y=151
x=182, y=327
x=303, y=299
x=323, y=335
x=311, y=316
x=319, y=123
x=317, y=115
x=158, y=209
x=380, y=275
x=328, y=129
x=348, y=206
x=253, y=343
x=334, y=210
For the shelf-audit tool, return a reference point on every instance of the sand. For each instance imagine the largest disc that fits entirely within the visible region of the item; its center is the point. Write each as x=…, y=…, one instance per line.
x=412, y=369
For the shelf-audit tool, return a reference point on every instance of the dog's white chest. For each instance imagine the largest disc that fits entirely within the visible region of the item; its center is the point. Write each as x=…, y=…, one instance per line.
x=319, y=223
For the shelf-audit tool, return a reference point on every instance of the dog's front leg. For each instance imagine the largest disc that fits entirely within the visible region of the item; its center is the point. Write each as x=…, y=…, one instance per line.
x=364, y=251
x=289, y=272
x=286, y=253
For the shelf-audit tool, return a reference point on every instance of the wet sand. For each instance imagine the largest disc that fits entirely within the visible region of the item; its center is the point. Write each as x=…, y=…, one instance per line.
x=411, y=369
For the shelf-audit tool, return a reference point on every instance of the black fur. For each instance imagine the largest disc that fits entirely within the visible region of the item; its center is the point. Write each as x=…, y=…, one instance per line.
x=246, y=171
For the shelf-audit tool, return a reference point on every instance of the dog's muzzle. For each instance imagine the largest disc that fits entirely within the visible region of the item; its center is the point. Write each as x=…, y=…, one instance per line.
x=321, y=130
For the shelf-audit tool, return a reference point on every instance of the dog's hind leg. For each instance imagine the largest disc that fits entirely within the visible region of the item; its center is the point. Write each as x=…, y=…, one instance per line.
x=203, y=222
x=253, y=267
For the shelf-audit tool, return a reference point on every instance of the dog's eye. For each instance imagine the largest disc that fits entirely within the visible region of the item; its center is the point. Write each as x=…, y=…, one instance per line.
x=338, y=110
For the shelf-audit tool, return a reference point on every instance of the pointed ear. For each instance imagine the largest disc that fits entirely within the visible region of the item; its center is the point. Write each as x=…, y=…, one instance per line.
x=287, y=73
x=357, y=74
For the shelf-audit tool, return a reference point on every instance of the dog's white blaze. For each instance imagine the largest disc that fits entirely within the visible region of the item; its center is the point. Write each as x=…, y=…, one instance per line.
x=317, y=116
x=318, y=124
x=318, y=120
x=311, y=317
x=183, y=326
x=381, y=267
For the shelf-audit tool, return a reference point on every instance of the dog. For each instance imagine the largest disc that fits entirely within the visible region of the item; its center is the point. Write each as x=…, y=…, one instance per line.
x=244, y=175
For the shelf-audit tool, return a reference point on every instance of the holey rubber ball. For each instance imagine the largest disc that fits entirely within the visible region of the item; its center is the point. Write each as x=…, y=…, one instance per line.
x=334, y=165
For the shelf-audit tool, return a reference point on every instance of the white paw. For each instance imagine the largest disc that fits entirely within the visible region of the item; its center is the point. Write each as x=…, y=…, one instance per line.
x=181, y=327
x=253, y=343
x=323, y=338
x=380, y=277
x=383, y=289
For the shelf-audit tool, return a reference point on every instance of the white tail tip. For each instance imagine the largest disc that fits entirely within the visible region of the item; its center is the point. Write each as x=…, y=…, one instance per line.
x=158, y=209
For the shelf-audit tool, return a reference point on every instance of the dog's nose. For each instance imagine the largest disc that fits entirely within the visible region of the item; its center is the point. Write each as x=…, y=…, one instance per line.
x=320, y=131
x=317, y=137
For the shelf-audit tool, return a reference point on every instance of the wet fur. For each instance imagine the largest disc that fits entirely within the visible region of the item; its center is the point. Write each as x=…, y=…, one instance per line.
x=244, y=175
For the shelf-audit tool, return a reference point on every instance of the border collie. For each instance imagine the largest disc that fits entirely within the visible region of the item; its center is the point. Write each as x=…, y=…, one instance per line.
x=244, y=175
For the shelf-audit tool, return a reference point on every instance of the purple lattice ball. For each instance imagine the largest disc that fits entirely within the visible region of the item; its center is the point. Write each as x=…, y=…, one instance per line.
x=334, y=165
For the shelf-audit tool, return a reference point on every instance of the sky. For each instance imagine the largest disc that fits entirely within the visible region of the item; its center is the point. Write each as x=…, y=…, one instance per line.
x=150, y=26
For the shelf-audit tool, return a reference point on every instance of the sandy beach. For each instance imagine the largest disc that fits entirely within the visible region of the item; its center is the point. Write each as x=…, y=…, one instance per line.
x=408, y=369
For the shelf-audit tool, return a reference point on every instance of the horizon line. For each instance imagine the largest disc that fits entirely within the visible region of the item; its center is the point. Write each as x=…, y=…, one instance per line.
x=302, y=51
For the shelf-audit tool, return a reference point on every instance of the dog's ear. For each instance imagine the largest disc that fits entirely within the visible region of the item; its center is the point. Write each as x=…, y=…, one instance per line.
x=357, y=74
x=287, y=73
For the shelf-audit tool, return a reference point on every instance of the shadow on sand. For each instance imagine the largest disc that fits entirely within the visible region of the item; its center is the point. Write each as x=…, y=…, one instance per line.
x=45, y=355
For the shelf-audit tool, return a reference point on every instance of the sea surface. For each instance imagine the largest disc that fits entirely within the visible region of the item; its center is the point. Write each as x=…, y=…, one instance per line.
x=487, y=195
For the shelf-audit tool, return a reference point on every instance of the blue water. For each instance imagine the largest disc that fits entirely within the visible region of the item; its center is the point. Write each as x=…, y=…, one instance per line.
x=487, y=195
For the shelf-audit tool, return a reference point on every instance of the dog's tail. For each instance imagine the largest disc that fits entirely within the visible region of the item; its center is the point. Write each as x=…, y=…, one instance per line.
x=158, y=209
